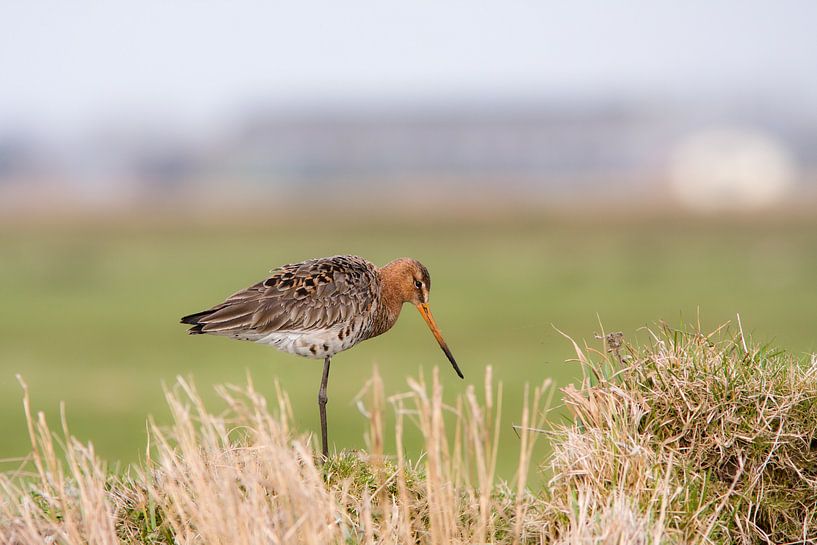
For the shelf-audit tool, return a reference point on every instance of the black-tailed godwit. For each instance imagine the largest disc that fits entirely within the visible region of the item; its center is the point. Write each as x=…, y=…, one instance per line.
x=320, y=307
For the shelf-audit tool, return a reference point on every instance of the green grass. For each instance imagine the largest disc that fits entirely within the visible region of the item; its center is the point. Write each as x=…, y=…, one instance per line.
x=89, y=312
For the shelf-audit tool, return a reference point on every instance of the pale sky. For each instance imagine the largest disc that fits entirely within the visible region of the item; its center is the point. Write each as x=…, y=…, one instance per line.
x=71, y=64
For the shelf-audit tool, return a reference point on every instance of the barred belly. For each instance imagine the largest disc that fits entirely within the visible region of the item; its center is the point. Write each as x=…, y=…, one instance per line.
x=318, y=344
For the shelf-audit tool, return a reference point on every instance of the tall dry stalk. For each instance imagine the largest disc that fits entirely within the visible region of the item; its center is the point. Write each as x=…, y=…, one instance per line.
x=242, y=479
x=69, y=501
x=242, y=475
x=460, y=467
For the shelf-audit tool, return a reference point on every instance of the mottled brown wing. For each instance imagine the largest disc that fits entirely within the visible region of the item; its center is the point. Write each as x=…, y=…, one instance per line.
x=311, y=295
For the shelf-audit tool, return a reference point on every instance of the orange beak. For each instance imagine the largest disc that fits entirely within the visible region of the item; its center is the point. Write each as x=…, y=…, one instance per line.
x=425, y=312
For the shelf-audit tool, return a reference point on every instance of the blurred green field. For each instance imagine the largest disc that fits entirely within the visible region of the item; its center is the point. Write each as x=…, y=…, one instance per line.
x=90, y=312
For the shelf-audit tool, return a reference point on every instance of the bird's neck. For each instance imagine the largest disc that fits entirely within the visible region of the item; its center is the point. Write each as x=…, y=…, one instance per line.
x=391, y=302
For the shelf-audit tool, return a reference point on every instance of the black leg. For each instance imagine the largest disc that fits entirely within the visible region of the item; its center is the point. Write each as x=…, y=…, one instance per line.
x=322, y=406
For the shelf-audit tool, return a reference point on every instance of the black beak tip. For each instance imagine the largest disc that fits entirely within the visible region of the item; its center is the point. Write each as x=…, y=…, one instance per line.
x=453, y=363
x=450, y=357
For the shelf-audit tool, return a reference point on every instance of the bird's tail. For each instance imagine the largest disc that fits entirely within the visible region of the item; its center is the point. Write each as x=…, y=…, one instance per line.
x=194, y=320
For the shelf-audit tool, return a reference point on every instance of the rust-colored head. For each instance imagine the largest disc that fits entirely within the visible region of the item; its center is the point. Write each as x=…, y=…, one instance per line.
x=407, y=281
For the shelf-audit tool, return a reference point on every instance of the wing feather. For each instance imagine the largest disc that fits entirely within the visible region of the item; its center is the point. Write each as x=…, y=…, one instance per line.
x=311, y=295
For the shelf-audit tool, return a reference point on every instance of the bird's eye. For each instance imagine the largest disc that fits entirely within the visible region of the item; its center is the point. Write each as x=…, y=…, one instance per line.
x=418, y=284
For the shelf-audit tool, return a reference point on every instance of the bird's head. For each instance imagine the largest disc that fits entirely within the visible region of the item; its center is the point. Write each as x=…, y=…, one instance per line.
x=410, y=280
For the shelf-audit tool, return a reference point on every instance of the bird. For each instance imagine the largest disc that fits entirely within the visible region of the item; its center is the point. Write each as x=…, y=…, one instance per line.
x=320, y=307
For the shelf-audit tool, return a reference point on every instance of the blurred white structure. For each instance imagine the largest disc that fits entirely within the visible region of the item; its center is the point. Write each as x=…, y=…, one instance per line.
x=731, y=169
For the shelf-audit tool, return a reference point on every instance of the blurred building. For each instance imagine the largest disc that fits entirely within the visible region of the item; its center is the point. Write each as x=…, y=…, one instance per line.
x=569, y=149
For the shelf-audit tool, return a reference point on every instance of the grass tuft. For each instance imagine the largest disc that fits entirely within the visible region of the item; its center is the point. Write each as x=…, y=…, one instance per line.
x=690, y=438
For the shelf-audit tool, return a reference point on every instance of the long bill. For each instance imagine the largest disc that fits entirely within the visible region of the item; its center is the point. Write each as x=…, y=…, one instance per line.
x=425, y=312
